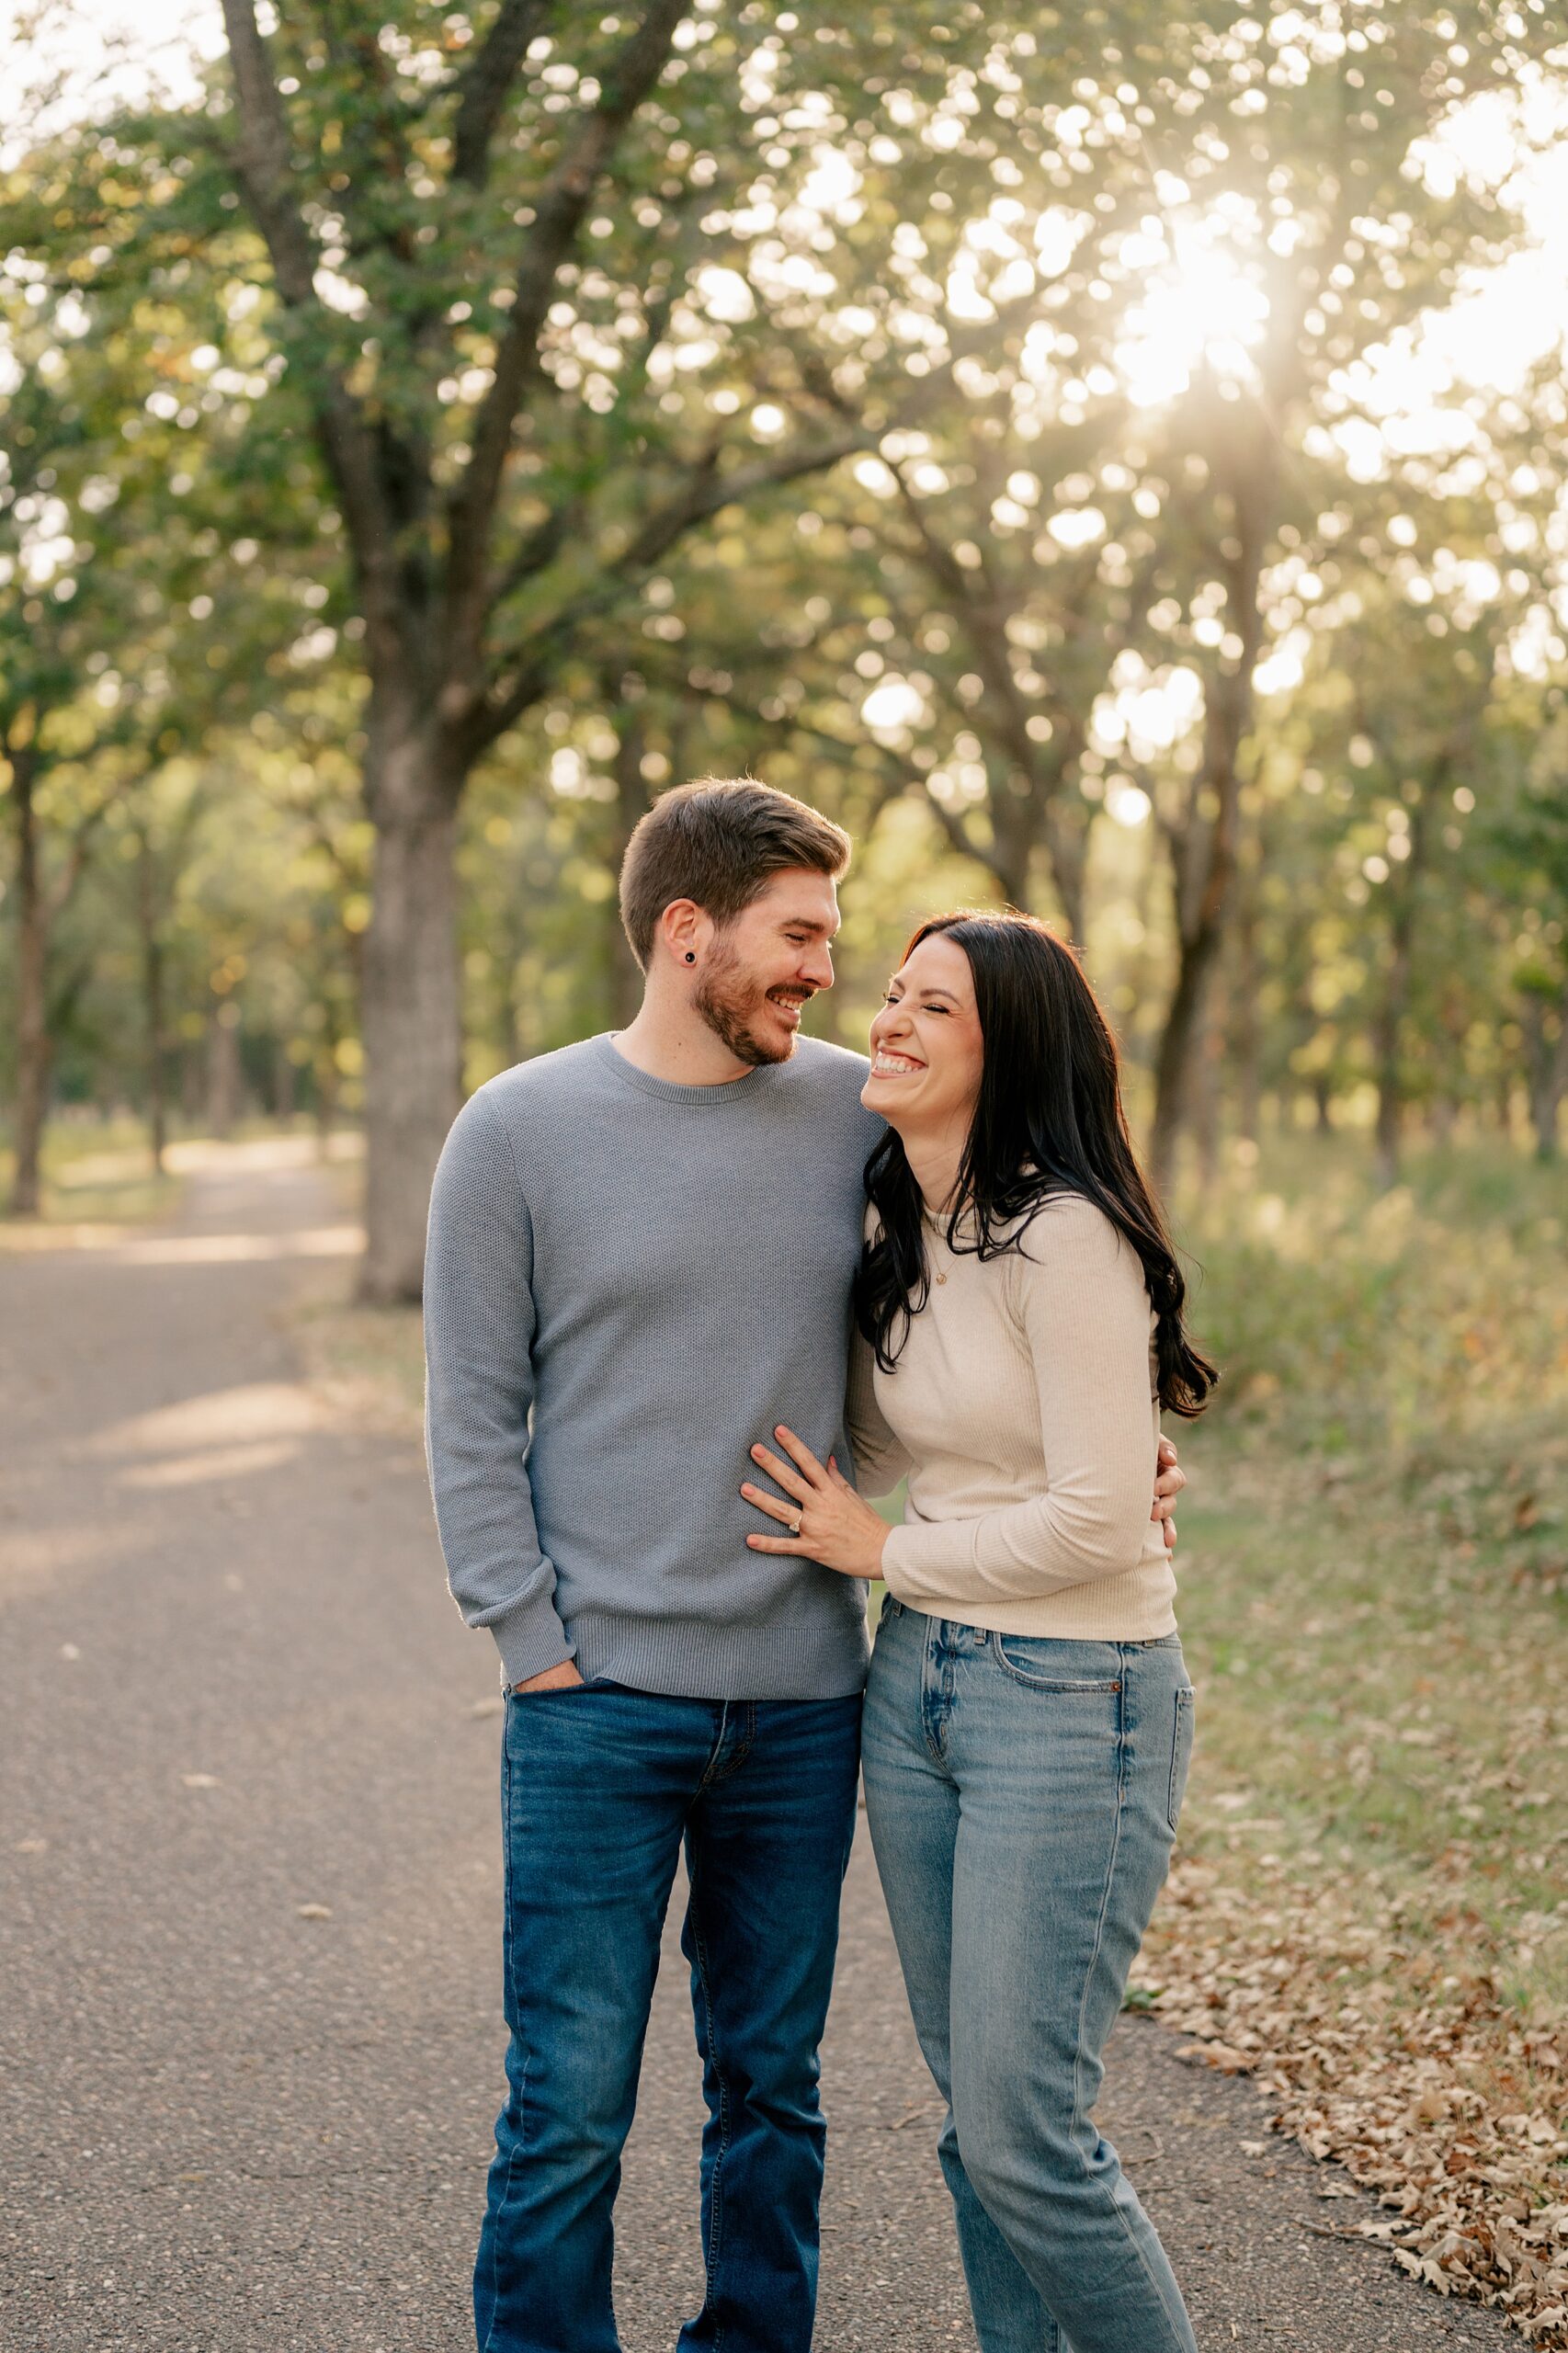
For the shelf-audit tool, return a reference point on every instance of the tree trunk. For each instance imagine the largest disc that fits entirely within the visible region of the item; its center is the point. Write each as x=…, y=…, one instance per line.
x=1246, y=1045
x=1011, y=865
x=1026, y=813
x=1205, y=846
x=325, y=1080
x=1390, y=1106
x=1206, y=1120
x=222, y=1068
x=1205, y=855
x=1066, y=837
x=34, y=1055
x=631, y=802
x=1175, y=1063
x=411, y=1004
x=152, y=1003
x=1388, y=1030
x=1548, y=1069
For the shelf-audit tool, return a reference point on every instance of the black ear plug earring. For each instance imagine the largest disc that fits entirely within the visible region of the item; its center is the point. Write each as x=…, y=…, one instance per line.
x=692, y=955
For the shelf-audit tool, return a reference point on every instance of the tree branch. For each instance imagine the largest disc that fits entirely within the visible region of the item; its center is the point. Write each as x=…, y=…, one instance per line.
x=262, y=157
x=485, y=83
x=706, y=491
x=70, y=875
x=539, y=549
x=558, y=215
x=264, y=167
x=987, y=627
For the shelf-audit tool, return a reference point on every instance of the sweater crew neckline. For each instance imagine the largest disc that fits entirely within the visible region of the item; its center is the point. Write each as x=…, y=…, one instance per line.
x=670, y=1090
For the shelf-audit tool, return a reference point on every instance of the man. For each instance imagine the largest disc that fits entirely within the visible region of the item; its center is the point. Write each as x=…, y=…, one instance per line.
x=639, y=1261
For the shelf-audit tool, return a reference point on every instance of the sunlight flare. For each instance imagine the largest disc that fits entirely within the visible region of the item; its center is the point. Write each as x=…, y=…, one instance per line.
x=1199, y=309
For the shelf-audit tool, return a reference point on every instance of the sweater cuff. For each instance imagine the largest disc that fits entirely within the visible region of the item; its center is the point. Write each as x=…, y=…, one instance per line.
x=530, y=1639
x=921, y=1556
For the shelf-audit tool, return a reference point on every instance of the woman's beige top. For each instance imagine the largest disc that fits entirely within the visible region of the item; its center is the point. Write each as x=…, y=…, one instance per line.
x=1022, y=1406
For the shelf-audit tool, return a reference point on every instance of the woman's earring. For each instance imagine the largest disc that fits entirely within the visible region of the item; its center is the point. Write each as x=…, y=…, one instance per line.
x=692, y=955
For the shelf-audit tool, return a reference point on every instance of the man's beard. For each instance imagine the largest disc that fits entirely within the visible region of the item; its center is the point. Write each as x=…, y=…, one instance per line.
x=729, y=1005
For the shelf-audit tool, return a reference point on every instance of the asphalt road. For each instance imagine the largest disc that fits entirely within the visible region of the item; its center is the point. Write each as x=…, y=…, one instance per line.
x=250, y=2040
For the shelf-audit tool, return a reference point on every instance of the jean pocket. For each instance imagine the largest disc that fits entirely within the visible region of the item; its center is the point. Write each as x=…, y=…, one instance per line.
x=1045, y=1664
x=1181, y=1755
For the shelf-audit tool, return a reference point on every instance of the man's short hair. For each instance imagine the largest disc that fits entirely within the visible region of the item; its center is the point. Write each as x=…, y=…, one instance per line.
x=718, y=842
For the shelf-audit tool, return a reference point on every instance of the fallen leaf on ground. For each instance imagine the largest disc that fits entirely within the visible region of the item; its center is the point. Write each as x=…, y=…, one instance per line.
x=1292, y=1992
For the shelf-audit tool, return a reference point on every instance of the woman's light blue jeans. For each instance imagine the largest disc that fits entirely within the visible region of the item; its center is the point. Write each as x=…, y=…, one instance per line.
x=1022, y=1796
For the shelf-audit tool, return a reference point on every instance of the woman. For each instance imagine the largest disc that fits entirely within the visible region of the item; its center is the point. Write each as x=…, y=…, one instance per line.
x=1029, y=1719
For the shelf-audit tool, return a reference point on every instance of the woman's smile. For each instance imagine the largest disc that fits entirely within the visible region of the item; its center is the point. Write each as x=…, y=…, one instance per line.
x=927, y=1058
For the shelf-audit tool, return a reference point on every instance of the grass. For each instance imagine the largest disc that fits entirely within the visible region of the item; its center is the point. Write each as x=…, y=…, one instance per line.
x=1375, y=1557
x=1389, y=1693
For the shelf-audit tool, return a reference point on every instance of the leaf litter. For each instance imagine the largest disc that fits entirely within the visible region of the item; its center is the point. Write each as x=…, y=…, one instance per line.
x=1451, y=2108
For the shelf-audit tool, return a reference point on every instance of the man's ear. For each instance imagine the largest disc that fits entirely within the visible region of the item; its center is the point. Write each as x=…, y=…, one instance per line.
x=685, y=931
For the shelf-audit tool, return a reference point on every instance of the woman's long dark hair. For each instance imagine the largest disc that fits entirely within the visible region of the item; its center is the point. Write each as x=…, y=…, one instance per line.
x=1048, y=1120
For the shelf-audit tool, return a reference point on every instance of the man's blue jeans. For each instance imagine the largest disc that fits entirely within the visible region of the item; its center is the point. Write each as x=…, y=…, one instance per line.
x=1022, y=1796
x=601, y=1786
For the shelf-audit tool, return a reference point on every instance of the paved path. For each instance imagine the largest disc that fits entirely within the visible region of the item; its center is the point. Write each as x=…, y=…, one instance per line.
x=232, y=1691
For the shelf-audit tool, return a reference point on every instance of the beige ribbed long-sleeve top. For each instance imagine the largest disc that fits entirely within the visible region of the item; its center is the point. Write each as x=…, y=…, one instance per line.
x=1022, y=1406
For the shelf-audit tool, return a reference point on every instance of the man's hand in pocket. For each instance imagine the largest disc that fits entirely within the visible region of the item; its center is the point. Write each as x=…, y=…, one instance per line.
x=554, y=1678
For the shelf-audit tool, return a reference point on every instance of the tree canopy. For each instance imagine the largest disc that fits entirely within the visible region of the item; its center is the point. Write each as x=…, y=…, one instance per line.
x=1027, y=436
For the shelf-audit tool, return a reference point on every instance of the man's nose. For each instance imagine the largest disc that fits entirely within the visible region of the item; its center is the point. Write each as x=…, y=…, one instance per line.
x=816, y=966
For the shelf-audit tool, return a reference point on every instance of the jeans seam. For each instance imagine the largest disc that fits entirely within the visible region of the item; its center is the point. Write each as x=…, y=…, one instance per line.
x=996, y=1644
x=1173, y=1806
x=1079, y=2113
x=716, y=2188
x=718, y=1768
x=1030, y=1683
x=523, y=2079
x=743, y=1750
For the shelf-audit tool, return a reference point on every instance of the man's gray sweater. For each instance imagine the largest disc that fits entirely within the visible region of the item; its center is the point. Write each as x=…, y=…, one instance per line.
x=626, y=1284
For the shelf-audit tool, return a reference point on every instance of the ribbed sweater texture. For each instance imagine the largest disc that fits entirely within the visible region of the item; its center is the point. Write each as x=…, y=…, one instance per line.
x=627, y=1283
x=1022, y=1407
